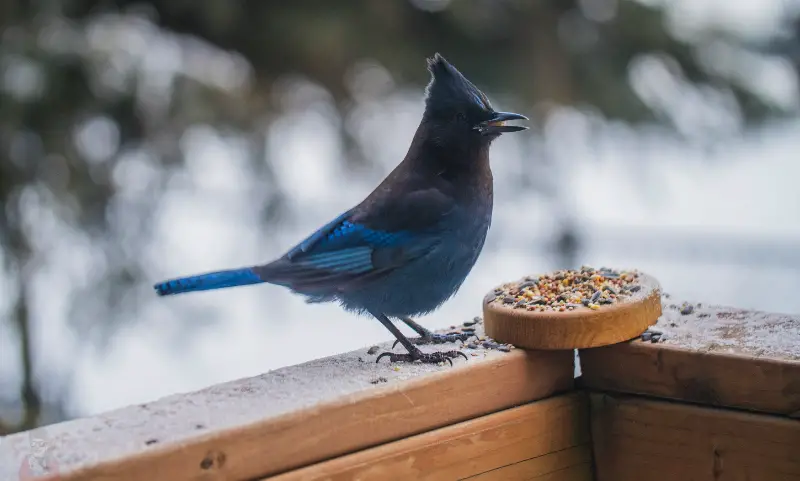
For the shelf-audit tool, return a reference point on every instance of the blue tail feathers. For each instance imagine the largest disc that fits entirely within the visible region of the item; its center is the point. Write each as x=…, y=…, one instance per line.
x=206, y=282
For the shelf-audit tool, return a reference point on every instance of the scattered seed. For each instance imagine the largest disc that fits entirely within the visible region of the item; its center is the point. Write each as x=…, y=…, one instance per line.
x=379, y=380
x=635, y=288
x=150, y=442
x=687, y=309
x=504, y=348
x=373, y=350
x=646, y=336
x=508, y=299
x=472, y=345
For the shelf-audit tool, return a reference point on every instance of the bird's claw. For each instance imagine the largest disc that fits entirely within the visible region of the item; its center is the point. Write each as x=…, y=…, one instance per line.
x=439, y=338
x=424, y=357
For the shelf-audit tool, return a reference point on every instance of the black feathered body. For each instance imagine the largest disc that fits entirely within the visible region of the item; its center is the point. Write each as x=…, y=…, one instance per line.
x=436, y=206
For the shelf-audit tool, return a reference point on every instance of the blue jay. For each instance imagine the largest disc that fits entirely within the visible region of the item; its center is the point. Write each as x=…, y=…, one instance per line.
x=406, y=248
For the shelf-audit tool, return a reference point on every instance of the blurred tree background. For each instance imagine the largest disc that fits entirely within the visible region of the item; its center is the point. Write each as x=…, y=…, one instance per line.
x=95, y=95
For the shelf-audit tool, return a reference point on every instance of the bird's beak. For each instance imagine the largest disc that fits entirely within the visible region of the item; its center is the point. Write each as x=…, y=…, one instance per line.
x=497, y=124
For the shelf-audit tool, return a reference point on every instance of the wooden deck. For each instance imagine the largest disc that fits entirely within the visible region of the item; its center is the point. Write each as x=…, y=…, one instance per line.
x=718, y=400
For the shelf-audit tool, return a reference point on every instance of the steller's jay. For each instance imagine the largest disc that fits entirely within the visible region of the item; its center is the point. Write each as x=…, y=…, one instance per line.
x=410, y=244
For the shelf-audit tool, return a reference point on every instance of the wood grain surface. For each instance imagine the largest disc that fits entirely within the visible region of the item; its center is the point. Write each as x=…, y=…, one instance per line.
x=294, y=417
x=546, y=439
x=709, y=357
x=639, y=439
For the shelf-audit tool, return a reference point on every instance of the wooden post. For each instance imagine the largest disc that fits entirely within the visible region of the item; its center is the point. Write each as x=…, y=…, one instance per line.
x=714, y=364
x=638, y=439
x=717, y=356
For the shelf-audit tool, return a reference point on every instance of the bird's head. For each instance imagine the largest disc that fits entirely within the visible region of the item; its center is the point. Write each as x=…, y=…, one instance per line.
x=457, y=110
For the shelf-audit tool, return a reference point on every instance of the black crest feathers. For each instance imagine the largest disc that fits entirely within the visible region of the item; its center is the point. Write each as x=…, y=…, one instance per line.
x=438, y=65
x=449, y=89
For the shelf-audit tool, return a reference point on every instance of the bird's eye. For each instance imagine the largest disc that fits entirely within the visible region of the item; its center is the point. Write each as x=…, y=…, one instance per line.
x=460, y=116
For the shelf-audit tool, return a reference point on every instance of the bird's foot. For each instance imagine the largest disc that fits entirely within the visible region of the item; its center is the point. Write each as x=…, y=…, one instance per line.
x=428, y=337
x=424, y=357
x=433, y=338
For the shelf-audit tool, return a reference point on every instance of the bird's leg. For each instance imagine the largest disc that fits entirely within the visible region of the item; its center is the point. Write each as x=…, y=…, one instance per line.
x=428, y=337
x=414, y=354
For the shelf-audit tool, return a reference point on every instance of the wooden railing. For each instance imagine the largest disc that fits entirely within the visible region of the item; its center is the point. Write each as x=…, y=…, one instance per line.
x=717, y=398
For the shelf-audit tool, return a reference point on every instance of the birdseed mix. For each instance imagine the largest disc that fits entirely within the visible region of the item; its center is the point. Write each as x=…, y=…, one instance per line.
x=567, y=290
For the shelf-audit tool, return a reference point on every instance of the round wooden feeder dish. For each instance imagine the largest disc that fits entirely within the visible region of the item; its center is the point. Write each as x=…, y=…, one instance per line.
x=577, y=329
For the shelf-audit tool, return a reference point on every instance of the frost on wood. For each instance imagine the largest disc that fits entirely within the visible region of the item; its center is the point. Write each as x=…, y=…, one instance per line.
x=729, y=330
x=187, y=419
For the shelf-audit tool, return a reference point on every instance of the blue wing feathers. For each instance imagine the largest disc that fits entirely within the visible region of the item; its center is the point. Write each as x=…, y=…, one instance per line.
x=348, y=234
x=312, y=240
x=342, y=253
x=343, y=247
x=354, y=259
